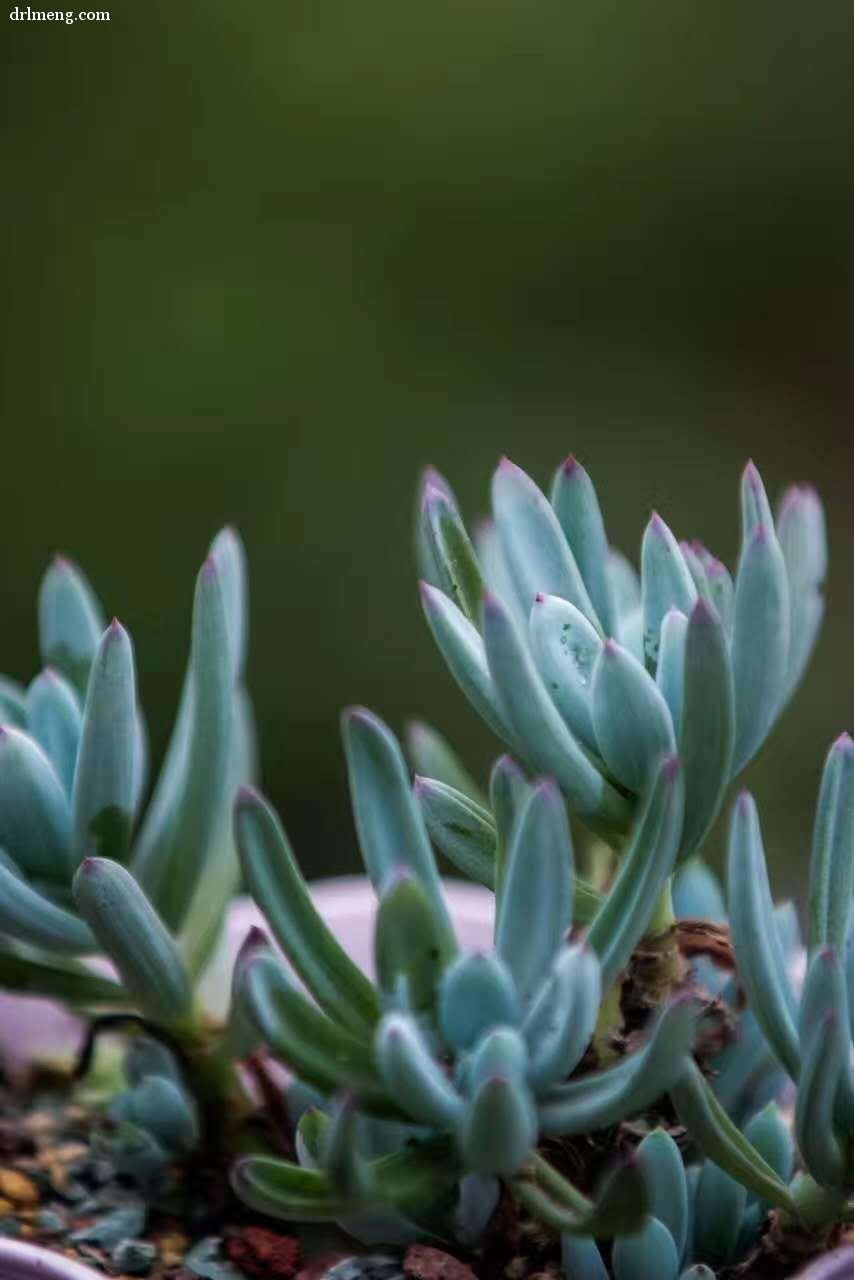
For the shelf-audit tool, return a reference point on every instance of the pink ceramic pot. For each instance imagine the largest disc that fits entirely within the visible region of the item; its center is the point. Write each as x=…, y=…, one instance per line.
x=20, y=1261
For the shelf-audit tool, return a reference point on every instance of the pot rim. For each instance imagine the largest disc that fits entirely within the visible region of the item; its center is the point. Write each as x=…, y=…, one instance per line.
x=20, y=1260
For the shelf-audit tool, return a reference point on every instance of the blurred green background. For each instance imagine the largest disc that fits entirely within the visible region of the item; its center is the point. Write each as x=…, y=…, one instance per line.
x=266, y=260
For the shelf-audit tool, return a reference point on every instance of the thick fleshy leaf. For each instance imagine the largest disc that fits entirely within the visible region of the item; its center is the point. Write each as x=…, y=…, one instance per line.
x=166, y=1111
x=581, y=1259
x=803, y=541
x=341, y=1160
x=452, y=553
x=389, y=824
x=229, y=554
x=719, y=1205
x=477, y=992
x=707, y=735
x=666, y=584
x=53, y=715
x=760, y=641
x=620, y=1207
x=70, y=622
x=288, y=1191
x=463, y=650
x=509, y=792
x=276, y=883
x=697, y=893
x=579, y=515
x=536, y=910
x=722, y=1141
x=433, y=757
x=565, y=648
x=695, y=560
x=181, y=823
x=832, y=862
x=650, y=1254
x=625, y=586
x=412, y=1076
x=536, y=723
x=105, y=781
x=13, y=703
x=35, y=822
x=498, y=1127
x=65, y=980
x=631, y=719
x=825, y=992
x=501, y=1052
x=606, y=1097
x=496, y=573
x=411, y=942
x=135, y=939
x=535, y=548
x=459, y=827
x=644, y=871
x=562, y=1018
x=759, y=955
x=769, y=1133
x=755, y=507
x=661, y=1163
x=825, y=1051
x=670, y=672
x=721, y=590
x=30, y=917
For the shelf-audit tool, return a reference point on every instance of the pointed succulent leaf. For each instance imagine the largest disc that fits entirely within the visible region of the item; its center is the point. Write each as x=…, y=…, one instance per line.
x=509, y=792
x=452, y=554
x=696, y=562
x=168, y=1112
x=581, y=1259
x=103, y=794
x=761, y=963
x=477, y=992
x=229, y=555
x=275, y=881
x=721, y=591
x=666, y=584
x=719, y=1205
x=412, y=1076
x=53, y=715
x=340, y=1159
x=825, y=1050
x=411, y=942
x=534, y=545
x=760, y=641
x=650, y=1254
x=424, y=559
x=644, y=871
x=30, y=917
x=287, y=1191
x=769, y=1133
x=661, y=1164
x=606, y=1097
x=148, y=1057
x=625, y=585
x=501, y=1052
x=824, y=992
x=620, y=1207
x=803, y=541
x=670, y=672
x=35, y=822
x=720, y=1140
x=535, y=722
x=463, y=650
x=697, y=893
x=70, y=622
x=631, y=719
x=434, y=757
x=832, y=862
x=459, y=827
x=13, y=704
x=579, y=515
x=135, y=939
x=707, y=735
x=496, y=572
x=565, y=648
x=536, y=910
x=755, y=507
x=498, y=1127
x=562, y=1018
x=310, y=1137
x=66, y=980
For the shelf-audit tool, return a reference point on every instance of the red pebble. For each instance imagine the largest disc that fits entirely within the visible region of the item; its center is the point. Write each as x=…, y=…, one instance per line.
x=262, y=1253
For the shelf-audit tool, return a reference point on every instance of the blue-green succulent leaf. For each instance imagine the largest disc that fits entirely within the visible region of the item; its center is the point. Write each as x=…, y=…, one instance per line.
x=577, y=508
x=832, y=862
x=509, y=792
x=35, y=821
x=670, y=672
x=697, y=893
x=625, y=586
x=651, y=1254
x=620, y=1207
x=581, y=1259
x=451, y=551
x=477, y=992
x=498, y=1127
x=13, y=704
x=229, y=555
x=565, y=647
x=803, y=541
x=462, y=648
x=759, y=955
x=497, y=574
x=536, y=909
x=459, y=827
x=661, y=1163
x=562, y=1018
x=70, y=622
x=53, y=715
x=696, y=562
x=30, y=917
x=433, y=757
x=164, y=1109
x=719, y=1205
x=283, y=1190
x=721, y=591
x=666, y=584
x=65, y=980
x=825, y=992
x=412, y=945
x=707, y=736
x=105, y=780
x=722, y=1141
x=755, y=507
x=631, y=719
x=501, y=1052
x=148, y=1057
x=760, y=641
x=769, y=1133
x=536, y=722
x=389, y=824
x=135, y=939
x=644, y=871
x=535, y=548
x=340, y=1158
x=825, y=1051
x=276, y=883
x=606, y=1097
x=412, y=1076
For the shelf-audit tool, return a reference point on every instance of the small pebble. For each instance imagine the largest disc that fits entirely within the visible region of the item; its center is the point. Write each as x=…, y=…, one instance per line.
x=18, y=1188
x=135, y=1257
x=50, y=1223
x=10, y=1227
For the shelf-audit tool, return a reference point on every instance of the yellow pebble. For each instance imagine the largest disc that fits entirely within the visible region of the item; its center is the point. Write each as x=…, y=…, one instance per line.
x=17, y=1188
